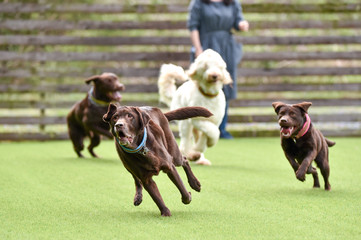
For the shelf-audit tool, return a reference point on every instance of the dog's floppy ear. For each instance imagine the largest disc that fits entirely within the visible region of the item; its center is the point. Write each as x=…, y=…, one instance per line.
x=226, y=77
x=93, y=78
x=304, y=106
x=144, y=117
x=111, y=110
x=277, y=106
x=192, y=71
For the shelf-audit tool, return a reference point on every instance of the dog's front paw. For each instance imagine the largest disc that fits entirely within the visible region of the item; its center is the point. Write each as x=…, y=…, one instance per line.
x=187, y=199
x=138, y=198
x=195, y=184
x=301, y=175
x=166, y=212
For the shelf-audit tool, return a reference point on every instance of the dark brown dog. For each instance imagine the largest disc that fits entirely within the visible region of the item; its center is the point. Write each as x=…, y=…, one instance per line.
x=302, y=143
x=86, y=116
x=146, y=146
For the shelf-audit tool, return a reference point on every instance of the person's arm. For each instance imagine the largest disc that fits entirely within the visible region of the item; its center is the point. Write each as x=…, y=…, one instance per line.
x=193, y=24
x=196, y=42
x=240, y=23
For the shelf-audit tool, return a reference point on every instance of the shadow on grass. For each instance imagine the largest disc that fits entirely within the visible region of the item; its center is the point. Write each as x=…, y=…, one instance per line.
x=139, y=215
x=311, y=192
x=91, y=160
x=230, y=167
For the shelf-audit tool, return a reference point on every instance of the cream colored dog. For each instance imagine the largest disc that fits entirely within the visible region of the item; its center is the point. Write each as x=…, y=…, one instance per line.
x=206, y=75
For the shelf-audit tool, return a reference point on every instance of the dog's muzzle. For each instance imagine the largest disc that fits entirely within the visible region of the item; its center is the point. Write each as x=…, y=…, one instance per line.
x=286, y=128
x=124, y=139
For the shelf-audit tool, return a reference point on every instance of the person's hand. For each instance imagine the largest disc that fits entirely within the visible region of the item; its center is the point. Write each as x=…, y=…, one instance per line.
x=198, y=51
x=243, y=25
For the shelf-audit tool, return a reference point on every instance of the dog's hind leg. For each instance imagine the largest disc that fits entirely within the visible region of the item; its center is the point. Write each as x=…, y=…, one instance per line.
x=192, y=180
x=322, y=163
x=94, y=141
x=76, y=135
x=316, y=182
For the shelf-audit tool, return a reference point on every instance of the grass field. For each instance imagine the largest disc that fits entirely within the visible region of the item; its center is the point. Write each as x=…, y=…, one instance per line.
x=250, y=192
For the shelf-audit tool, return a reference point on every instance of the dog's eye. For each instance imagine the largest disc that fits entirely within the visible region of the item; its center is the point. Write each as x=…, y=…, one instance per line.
x=130, y=115
x=115, y=117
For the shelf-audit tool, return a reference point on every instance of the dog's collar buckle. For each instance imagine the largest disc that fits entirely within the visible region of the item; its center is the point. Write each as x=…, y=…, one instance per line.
x=142, y=149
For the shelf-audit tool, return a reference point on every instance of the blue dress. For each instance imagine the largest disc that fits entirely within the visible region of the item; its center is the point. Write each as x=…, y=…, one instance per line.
x=214, y=21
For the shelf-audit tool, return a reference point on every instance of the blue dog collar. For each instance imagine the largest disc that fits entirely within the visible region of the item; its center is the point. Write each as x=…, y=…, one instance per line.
x=141, y=148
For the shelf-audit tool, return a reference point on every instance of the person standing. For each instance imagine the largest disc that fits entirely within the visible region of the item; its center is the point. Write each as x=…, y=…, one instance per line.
x=210, y=23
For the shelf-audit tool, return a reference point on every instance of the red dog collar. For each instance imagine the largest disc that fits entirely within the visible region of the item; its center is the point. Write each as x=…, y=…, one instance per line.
x=305, y=127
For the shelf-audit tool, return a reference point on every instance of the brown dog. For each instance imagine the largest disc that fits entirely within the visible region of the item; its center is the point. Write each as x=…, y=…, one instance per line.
x=302, y=143
x=146, y=146
x=86, y=116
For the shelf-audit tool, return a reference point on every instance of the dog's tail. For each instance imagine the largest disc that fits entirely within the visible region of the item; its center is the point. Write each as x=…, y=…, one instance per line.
x=169, y=74
x=187, y=112
x=330, y=143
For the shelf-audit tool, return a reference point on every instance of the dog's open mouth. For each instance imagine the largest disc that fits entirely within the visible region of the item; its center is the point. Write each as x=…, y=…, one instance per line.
x=115, y=96
x=287, y=131
x=124, y=139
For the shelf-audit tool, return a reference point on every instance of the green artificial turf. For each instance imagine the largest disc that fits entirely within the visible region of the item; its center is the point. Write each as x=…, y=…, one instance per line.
x=250, y=192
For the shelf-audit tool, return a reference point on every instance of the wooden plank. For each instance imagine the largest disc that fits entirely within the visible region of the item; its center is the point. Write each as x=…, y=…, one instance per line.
x=39, y=40
x=275, y=133
x=249, y=118
x=153, y=88
x=71, y=88
x=315, y=102
x=154, y=72
x=33, y=136
x=61, y=25
x=289, y=87
x=168, y=56
x=335, y=7
x=236, y=133
x=98, y=56
x=252, y=72
x=350, y=117
x=25, y=120
x=266, y=102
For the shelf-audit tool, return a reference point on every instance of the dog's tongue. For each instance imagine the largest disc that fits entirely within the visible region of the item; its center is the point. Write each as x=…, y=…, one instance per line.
x=116, y=95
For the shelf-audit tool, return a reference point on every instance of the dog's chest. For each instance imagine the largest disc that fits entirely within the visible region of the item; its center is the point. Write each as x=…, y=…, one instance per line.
x=139, y=164
x=297, y=148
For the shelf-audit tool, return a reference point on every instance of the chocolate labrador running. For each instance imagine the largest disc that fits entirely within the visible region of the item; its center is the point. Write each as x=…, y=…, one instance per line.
x=146, y=146
x=302, y=143
x=86, y=116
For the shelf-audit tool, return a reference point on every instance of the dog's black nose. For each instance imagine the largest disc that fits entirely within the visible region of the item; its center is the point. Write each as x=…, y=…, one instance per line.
x=119, y=125
x=283, y=120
